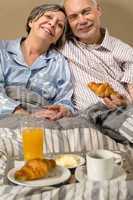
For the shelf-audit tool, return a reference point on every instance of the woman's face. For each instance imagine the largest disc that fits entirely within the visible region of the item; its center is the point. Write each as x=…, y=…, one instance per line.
x=48, y=27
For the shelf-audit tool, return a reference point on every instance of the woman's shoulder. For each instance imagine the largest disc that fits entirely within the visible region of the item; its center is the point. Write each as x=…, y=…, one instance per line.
x=55, y=53
x=3, y=44
x=9, y=45
x=3, y=48
x=58, y=59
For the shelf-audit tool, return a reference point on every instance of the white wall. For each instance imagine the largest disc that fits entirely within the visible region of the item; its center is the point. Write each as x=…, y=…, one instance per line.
x=118, y=16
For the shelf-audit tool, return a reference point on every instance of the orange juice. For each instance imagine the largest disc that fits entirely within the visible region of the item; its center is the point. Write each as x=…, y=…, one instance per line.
x=32, y=142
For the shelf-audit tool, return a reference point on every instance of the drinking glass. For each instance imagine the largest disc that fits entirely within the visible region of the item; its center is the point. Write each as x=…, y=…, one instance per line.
x=32, y=138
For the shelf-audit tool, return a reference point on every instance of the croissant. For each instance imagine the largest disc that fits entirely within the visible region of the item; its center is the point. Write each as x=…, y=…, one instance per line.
x=35, y=169
x=102, y=89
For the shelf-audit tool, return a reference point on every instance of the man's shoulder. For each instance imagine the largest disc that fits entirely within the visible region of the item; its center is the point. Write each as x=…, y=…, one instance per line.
x=120, y=49
x=116, y=42
x=70, y=43
x=70, y=47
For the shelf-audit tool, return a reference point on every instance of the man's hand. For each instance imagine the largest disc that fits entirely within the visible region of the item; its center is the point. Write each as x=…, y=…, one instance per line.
x=115, y=101
x=53, y=112
x=130, y=90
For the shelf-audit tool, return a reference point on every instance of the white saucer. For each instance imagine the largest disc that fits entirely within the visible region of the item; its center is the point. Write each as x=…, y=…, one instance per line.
x=59, y=175
x=81, y=174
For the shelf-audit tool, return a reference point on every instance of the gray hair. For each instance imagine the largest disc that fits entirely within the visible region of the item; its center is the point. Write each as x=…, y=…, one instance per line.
x=95, y=2
x=39, y=11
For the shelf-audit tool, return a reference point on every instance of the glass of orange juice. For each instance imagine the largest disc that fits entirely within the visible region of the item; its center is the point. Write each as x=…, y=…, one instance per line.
x=32, y=138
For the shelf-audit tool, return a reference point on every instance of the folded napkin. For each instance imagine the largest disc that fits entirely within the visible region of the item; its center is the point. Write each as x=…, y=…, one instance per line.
x=126, y=129
x=29, y=99
x=116, y=123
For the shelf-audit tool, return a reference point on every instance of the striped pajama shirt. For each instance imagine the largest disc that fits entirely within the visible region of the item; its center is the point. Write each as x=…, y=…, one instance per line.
x=111, y=61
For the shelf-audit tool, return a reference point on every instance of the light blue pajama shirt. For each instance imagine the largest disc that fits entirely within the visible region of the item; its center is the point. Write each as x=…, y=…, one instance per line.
x=49, y=76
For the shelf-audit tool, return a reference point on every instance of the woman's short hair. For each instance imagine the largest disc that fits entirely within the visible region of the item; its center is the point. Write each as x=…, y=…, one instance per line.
x=39, y=11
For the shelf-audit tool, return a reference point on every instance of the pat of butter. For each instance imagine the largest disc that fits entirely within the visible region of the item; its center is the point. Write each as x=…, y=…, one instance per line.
x=67, y=161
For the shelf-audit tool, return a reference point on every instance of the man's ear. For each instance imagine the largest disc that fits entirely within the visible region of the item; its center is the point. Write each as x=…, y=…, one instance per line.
x=99, y=9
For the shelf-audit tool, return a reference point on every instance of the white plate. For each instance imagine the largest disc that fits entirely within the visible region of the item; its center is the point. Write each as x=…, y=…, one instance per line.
x=69, y=160
x=81, y=173
x=59, y=175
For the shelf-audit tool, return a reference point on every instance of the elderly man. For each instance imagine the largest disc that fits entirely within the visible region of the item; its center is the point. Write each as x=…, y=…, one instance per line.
x=95, y=56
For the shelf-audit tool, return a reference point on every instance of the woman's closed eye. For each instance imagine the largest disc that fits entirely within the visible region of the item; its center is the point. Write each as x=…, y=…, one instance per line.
x=48, y=16
x=60, y=25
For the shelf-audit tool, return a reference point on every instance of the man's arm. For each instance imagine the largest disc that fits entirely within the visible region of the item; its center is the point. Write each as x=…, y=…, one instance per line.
x=130, y=90
x=125, y=60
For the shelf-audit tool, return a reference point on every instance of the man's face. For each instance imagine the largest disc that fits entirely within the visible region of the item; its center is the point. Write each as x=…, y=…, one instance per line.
x=84, y=19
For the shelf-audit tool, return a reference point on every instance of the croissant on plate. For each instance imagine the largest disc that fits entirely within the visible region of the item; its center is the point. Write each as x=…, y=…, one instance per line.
x=35, y=169
x=102, y=89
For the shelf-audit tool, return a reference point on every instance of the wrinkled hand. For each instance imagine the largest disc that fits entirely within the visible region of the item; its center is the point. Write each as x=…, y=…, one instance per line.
x=130, y=90
x=115, y=101
x=53, y=112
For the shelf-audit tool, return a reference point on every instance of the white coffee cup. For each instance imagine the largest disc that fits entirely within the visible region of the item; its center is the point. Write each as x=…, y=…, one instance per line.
x=100, y=164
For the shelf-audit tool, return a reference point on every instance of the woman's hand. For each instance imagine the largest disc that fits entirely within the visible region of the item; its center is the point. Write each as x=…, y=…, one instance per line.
x=53, y=112
x=19, y=110
x=115, y=101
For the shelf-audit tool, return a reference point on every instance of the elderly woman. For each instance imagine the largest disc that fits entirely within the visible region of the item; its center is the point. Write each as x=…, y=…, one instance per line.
x=33, y=63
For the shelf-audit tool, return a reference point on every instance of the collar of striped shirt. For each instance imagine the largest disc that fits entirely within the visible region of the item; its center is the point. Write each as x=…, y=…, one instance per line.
x=106, y=42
